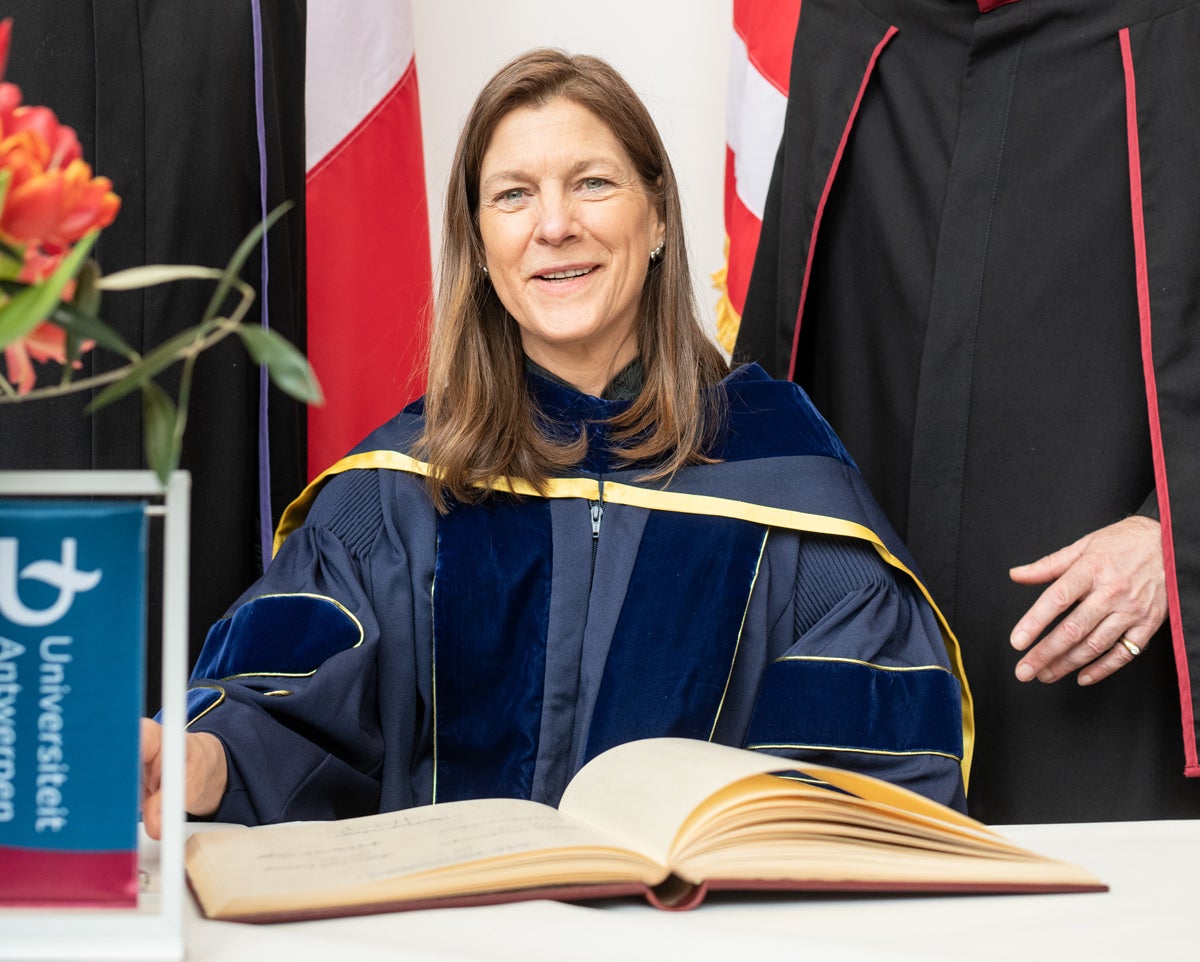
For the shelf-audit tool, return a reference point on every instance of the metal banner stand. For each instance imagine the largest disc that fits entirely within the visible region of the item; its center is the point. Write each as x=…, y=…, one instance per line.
x=153, y=931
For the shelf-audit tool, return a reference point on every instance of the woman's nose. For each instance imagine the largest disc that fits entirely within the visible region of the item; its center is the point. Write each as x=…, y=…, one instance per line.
x=556, y=217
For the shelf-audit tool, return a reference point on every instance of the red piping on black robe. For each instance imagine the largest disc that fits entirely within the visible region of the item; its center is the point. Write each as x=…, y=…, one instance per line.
x=1191, y=761
x=833, y=169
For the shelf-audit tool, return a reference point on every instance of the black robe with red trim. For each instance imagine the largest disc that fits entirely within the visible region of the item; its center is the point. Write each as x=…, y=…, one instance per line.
x=981, y=258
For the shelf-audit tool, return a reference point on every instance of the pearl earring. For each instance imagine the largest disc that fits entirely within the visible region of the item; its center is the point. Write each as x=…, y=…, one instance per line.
x=656, y=253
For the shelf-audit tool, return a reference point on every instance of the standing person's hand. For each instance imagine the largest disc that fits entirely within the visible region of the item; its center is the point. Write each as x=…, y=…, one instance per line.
x=205, y=774
x=1110, y=588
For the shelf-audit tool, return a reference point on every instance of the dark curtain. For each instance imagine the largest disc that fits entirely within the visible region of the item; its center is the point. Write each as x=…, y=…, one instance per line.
x=162, y=95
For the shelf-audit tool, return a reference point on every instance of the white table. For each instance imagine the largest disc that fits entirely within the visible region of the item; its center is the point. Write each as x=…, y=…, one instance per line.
x=1151, y=914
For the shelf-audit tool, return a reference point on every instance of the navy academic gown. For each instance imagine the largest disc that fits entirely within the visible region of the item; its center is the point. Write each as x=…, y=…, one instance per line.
x=980, y=258
x=392, y=657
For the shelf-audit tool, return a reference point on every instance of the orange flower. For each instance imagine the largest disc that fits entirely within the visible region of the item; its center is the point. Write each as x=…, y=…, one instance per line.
x=53, y=199
x=5, y=36
x=46, y=342
x=39, y=266
x=10, y=100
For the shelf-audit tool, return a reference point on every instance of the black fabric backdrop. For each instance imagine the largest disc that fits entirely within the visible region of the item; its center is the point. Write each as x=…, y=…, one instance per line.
x=161, y=93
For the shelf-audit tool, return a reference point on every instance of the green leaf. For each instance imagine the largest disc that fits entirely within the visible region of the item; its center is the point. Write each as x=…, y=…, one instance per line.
x=287, y=367
x=25, y=310
x=85, y=302
x=159, y=418
x=150, y=275
x=12, y=259
x=244, y=250
x=153, y=364
x=90, y=328
x=86, y=298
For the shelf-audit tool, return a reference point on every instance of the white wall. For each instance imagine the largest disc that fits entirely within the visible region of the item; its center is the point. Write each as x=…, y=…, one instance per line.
x=674, y=53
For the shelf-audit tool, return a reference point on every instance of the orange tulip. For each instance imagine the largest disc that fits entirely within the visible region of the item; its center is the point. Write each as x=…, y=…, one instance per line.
x=5, y=36
x=46, y=342
x=53, y=199
x=39, y=266
x=10, y=100
x=51, y=202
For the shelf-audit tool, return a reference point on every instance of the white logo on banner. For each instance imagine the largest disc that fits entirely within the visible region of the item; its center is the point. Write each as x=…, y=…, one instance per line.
x=62, y=575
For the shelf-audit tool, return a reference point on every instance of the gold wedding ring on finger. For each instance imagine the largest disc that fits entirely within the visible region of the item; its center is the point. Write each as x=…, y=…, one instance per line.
x=1134, y=650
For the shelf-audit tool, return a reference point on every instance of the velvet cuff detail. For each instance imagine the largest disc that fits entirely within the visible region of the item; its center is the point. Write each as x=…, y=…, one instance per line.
x=200, y=701
x=286, y=635
x=855, y=706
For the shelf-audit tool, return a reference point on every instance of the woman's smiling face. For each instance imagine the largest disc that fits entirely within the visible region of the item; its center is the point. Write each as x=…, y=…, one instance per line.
x=567, y=227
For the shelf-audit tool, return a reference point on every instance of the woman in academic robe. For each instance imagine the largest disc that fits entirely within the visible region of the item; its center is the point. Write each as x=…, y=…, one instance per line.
x=588, y=531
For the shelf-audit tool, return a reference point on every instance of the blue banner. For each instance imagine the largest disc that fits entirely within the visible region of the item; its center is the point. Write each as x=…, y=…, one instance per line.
x=72, y=634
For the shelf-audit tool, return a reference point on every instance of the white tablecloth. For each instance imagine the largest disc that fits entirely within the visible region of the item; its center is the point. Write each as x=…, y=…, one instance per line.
x=1150, y=915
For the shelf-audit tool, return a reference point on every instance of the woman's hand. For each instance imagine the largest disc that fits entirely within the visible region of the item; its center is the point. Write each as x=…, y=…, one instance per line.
x=205, y=775
x=1109, y=585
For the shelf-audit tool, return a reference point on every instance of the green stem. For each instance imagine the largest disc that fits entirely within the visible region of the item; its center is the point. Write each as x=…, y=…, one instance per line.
x=181, y=406
x=223, y=329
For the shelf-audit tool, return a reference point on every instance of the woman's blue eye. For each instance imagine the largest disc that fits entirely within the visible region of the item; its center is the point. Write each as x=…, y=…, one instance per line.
x=515, y=194
x=593, y=183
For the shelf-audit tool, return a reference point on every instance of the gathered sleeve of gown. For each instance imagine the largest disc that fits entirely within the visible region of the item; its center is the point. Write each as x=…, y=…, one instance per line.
x=857, y=673
x=288, y=680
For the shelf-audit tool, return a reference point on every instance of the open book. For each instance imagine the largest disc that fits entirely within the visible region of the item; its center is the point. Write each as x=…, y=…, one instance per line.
x=667, y=818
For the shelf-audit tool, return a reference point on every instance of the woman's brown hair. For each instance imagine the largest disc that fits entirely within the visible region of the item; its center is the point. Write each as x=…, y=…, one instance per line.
x=481, y=423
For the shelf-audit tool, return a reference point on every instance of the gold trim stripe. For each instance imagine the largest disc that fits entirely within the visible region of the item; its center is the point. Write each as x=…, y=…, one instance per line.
x=293, y=516
x=762, y=549
x=791, y=746
x=216, y=688
x=868, y=664
x=433, y=653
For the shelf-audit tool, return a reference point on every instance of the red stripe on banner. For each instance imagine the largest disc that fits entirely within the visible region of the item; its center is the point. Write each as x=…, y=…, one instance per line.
x=1191, y=761
x=369, y=281
x=837, y=160
x=743, y=229
x=42, y=877
x=768, y=30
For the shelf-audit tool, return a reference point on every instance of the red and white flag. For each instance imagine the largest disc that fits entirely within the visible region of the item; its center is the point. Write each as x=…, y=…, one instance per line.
x=369, y=281
x=760, y=57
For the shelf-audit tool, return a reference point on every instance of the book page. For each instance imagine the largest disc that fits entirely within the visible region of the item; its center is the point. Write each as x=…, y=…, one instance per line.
x=649, y=791
x=765, y=802
x=824, y=859
x=393, y=855
x=644, y=791
x=711, y=812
